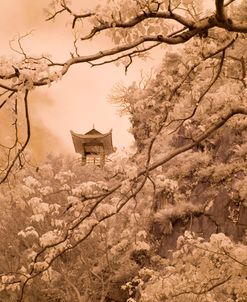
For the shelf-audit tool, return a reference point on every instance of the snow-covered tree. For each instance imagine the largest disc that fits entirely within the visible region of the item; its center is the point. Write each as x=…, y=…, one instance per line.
x=133, y=27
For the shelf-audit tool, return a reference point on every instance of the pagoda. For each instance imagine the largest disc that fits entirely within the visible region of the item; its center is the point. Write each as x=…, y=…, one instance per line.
x=93, y=146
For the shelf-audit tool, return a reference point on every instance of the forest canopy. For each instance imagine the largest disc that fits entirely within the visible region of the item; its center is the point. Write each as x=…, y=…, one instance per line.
x=165, y=222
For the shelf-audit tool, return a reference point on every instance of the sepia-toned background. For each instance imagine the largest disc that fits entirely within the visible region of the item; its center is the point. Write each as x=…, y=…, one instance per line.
x=81, y=98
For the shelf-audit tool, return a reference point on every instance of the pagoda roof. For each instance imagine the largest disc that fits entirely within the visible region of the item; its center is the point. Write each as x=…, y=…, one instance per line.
x=90, y=138
x=93, y=132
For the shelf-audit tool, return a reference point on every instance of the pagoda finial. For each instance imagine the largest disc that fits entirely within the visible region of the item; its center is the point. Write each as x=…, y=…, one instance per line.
x=93, y=126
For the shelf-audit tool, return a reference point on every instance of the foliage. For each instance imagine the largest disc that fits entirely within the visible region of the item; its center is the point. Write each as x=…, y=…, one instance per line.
x=134, y=28
x=198, y=271
x=52, y=219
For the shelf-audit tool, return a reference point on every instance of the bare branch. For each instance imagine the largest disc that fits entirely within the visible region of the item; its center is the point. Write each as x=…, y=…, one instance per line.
x=21, y=49
x=225, y=253
x=207, y=89
x=82, y=16
x=55, y=14
x=211, y=84
x=200, y=138
x=5, y=101
x=75, y=16
x=7, y=87
x=28, y=134
x=131, y=54
x=203, y=291
x=220, y=15
x=229, y=2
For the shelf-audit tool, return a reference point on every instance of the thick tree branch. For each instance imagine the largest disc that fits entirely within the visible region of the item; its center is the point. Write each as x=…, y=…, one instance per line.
x=190, y=30
x=220, y=15
x=138, y=19
x=120, y=49
x=7, y=87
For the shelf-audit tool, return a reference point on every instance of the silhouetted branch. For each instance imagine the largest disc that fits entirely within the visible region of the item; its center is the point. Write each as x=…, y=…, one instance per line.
x=23, y=147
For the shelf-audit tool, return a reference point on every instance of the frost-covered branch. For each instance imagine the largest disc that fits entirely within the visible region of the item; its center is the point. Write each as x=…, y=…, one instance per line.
x=134, y=30
x=138, y=19
x=198, y=139
x=203, y=291
x=209, y=86
x=53, y=251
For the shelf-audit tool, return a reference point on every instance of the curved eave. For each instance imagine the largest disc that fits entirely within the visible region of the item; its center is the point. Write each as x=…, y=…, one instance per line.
x=79, y=141
x=88, y=136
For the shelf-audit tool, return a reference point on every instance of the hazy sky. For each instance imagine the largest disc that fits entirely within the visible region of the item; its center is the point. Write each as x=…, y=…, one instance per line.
x=80, y=99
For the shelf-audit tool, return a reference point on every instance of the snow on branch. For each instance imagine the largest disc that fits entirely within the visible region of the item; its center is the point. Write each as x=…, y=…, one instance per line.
x=86, y=223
